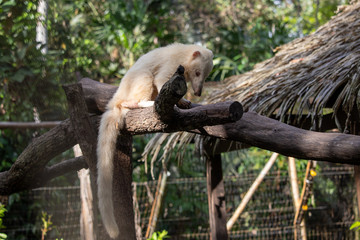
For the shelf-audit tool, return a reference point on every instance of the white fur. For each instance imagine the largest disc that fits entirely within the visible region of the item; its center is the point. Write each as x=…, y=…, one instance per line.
x=140, y=85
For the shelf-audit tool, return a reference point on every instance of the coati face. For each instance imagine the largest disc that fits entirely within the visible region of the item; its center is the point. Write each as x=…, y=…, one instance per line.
x=199, y=69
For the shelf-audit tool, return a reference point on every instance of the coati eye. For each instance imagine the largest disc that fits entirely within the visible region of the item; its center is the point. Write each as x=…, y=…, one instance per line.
x=197, y=73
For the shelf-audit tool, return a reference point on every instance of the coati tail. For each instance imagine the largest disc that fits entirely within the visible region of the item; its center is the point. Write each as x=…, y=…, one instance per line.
x=111, y=122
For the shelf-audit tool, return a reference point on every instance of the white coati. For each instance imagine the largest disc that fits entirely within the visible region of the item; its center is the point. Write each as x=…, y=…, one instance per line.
x=141, y=84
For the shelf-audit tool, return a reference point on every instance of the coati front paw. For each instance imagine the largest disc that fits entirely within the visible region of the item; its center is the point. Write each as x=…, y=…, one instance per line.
x=135, y=104
x=184, y=104
x=145, y=104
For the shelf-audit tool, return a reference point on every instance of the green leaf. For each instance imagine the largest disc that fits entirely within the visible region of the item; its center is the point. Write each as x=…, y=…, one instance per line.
x=3, y=236
x=355, y=226
x=20, y=75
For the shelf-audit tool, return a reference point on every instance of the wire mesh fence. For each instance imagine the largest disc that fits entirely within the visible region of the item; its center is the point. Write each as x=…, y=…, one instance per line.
x=184, y=212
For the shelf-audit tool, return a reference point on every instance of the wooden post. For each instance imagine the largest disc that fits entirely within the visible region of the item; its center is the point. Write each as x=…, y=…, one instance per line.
x=251, y=191
x=356, y=131
x=216, y=198
x=87, y=215
x=155, y=209
x=86, y=196
x=296, y=196
x=122, y=190
x=305, y=193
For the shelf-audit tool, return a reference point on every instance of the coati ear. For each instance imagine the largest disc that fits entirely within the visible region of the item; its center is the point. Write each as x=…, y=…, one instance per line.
x=196, y=54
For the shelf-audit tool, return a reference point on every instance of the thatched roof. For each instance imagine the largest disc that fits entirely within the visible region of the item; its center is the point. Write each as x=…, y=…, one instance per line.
x=305, y=76
x=317, y=71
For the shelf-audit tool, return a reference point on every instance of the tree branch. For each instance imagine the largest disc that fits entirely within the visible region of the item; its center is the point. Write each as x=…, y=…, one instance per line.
x=253, y=129
x=267, y=133
x=85, y=132
x=35, y=157
x=59, y=169
x=170, y=94
x=256, y=130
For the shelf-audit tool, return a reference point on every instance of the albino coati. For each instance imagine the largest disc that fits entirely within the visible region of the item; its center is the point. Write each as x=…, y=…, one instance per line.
x=140, y=85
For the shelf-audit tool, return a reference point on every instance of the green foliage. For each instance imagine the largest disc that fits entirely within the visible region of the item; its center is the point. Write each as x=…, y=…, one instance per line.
x=2, y=214
x=46, y=224
x=159, y=235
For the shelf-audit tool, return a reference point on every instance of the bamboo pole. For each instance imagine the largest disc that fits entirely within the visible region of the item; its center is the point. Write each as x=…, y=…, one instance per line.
x=251, y=191
x=137, y=213
x=296, y=196
x=18, y=125
x=156, y=204
x=306, y=191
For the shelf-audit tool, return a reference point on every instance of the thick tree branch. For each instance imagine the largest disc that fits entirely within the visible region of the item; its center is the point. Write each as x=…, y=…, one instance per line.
x=252, y=129
x=32, y=162
x=140, y=121
x=266, y=133
x=170, y=94
x=85, y=131
x=59, y=169
x=35, y=157
x=259, y=131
